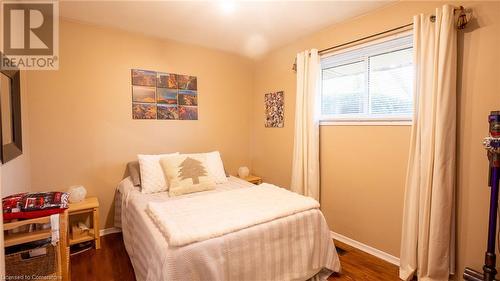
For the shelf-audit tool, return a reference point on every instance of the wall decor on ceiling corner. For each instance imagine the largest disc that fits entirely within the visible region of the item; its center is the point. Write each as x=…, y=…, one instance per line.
x=164, y=96
x=275, y=103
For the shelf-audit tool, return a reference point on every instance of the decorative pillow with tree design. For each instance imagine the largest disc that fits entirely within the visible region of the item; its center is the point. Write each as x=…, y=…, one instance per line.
x=187, y=174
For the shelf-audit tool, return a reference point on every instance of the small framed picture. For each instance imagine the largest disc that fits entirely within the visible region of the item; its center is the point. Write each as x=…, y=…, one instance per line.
x=188, y=112
x=143, y=94
x=166, y=96
x=274, y=109
x=187, y=97
x=167, y=112
x=143, y=78
x=186, y=82
x=167, y=80
x=143, y=110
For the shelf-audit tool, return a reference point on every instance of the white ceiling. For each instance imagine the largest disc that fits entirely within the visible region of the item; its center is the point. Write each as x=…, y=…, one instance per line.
x=249, y=28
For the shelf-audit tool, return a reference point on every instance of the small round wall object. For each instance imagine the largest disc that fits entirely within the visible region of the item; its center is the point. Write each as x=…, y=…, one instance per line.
x=77, y=193
x=243, y=172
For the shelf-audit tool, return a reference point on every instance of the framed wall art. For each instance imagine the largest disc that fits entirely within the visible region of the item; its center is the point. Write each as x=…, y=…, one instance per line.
x=274, y=109
x=164, y=96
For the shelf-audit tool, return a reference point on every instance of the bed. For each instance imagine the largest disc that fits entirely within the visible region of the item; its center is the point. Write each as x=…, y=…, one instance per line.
x=295, y=247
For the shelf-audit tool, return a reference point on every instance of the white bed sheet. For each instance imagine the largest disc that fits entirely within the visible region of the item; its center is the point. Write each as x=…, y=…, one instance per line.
x=296, y=247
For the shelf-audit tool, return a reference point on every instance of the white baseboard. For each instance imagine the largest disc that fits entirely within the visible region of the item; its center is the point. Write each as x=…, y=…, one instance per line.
x=110, y=230
x=365, y=248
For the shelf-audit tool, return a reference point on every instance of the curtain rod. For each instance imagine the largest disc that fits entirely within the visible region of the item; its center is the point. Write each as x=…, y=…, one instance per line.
x=461, y=23
x=364, y=38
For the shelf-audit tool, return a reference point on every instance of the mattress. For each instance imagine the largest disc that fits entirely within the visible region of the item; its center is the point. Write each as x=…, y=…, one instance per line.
x=296, y=247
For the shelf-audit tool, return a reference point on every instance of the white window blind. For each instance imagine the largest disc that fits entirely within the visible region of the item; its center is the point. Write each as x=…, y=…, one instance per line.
x=374, y=82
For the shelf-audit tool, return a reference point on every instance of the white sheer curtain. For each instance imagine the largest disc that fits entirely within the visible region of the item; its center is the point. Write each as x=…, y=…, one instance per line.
x=305, y=168
x=427, y=244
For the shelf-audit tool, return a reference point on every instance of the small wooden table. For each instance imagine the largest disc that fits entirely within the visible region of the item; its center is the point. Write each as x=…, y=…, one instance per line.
x=88, y=206
x=253, y=179
x=62, y=249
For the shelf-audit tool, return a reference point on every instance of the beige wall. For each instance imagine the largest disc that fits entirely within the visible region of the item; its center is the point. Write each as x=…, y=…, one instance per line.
x=362, y=184
x=81, y=126
x=363, y=167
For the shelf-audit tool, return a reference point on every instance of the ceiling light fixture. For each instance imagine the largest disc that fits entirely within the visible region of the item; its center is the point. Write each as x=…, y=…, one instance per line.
x=227, y=6
x=255, y=45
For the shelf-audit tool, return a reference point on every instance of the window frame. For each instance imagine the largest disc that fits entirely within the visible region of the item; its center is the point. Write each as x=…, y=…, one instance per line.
x=400, y=41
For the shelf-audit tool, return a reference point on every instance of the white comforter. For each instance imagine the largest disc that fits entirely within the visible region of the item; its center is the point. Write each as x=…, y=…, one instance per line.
x=295, y=247
x=203, y=217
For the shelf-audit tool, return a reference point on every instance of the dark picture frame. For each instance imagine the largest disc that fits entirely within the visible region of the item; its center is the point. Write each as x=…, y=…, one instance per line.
x=14, y=148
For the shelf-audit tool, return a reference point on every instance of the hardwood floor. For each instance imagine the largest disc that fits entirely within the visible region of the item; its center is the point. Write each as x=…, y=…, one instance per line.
x=358, y=265
x=111, y=263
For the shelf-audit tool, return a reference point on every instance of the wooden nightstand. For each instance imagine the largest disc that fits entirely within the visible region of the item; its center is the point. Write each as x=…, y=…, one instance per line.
x=86, y=211
x=62, y=268
x=253, y=179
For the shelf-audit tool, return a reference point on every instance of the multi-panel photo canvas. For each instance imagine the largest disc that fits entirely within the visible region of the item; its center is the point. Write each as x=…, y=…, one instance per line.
x=164, y=96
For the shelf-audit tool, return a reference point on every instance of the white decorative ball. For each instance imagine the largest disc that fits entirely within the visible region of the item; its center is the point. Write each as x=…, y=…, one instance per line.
x=243, y=172
x=77, y=193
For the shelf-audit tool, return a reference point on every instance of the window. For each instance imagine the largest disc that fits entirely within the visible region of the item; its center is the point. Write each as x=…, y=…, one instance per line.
x=370, y=83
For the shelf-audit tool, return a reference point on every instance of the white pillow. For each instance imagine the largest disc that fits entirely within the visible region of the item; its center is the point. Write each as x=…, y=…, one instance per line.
x=187, y=173
x=214, y=165
x=152, y=177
